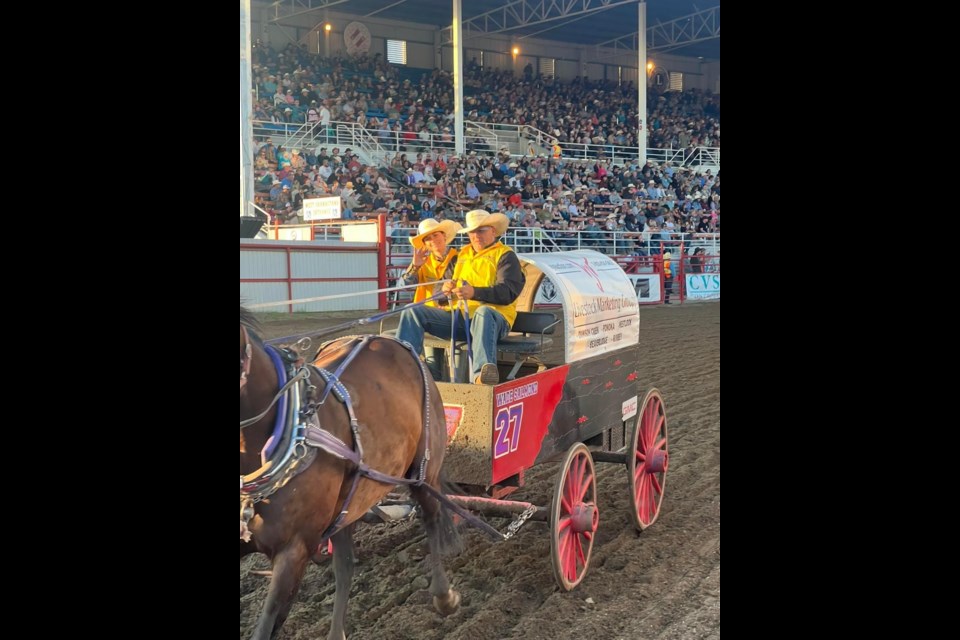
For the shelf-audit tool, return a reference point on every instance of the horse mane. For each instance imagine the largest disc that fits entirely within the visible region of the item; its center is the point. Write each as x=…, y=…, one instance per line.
x=248, y=320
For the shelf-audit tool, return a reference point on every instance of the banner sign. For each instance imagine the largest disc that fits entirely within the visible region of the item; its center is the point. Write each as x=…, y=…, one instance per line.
x=647, y=286
x=325, y=208
x=703, y=286
x=599, y=302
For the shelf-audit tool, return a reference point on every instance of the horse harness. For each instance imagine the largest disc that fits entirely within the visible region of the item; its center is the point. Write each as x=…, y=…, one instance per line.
x=298, y=434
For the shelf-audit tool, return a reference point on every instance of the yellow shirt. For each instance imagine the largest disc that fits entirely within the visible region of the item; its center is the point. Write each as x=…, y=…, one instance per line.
x=480, y=270
x=430, y=272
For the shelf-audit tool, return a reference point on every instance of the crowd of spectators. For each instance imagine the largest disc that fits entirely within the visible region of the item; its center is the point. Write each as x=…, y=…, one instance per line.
x=295, y=86
x=543, y=197
x=553, y=198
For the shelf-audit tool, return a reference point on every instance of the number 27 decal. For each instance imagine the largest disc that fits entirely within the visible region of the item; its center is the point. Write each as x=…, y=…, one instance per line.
x=507, y=430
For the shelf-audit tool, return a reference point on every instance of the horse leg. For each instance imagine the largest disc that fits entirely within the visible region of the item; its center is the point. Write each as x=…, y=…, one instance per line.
x=343, y=563
x=443, y=538
x=288, y=567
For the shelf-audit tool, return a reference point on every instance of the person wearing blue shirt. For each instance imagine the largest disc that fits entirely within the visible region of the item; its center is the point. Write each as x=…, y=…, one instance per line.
x=472, y=192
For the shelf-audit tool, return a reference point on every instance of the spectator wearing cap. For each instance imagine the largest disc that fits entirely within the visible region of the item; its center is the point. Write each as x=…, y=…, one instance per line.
x=269, y=86
x=349, y=201
x=667, y=276
x=696, y=260
x=655, y=191
x=285, y=196
x=275, y=190
x=472, y=192
x=297, y=161
x=366, y=198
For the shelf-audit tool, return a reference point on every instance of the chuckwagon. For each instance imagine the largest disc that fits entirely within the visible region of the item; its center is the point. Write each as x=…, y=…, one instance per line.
x=579, y=404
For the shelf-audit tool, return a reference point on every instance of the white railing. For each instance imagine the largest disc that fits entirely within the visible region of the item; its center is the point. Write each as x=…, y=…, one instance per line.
x=615, y=243
x=485, y=138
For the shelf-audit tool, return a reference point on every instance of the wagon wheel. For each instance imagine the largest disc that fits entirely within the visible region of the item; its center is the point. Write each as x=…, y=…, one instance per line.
x=647, y=467
x=573, y=517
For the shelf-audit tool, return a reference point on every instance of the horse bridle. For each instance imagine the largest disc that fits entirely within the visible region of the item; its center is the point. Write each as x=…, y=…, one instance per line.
x=303, y=373
x=246, y=359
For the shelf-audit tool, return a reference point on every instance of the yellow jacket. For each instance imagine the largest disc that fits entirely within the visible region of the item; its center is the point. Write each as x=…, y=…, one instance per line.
x=480, y=270
x=430, y=272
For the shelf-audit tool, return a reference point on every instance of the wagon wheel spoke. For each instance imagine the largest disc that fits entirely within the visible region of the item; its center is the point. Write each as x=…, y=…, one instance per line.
x=573, y=517
x=647, y=465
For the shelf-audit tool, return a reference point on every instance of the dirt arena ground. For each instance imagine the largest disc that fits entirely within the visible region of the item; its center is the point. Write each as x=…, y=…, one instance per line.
x=663, y=583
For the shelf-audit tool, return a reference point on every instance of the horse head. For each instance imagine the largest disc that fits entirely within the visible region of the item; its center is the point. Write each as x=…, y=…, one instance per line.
x=258, y=385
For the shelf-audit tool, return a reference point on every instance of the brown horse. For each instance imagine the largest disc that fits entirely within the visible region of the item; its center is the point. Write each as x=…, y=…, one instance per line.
x=388, y=392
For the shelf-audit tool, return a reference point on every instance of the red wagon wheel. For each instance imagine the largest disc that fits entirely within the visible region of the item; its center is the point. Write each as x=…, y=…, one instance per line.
x=647, y=467
x=574, y=517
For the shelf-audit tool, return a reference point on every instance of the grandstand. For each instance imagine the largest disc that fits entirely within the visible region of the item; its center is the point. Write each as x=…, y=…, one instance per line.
x=544, y=127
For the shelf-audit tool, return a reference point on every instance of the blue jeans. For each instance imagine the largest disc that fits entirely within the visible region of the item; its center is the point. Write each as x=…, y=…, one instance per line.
x=487, y=326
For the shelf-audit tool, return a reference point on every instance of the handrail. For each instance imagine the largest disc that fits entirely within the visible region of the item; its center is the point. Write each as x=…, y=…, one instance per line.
x=495, y=136
x=526, y=240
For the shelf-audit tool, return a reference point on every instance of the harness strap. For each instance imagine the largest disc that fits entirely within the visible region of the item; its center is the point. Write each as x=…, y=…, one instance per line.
x=334, y=381
x=317, y=437
x=334, y=446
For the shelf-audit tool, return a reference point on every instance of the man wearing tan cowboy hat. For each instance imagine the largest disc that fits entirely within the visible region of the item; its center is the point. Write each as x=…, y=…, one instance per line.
x=488, y=276
x=432, y=262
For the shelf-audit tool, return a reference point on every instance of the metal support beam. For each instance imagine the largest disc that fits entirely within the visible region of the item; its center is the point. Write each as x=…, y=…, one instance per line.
x=459, y=145
x=528, y=13
x=246, y=111
x=696, y=27
x=642, y=84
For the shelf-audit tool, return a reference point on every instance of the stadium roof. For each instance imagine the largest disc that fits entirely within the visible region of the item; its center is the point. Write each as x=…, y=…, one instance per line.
x=688, y=28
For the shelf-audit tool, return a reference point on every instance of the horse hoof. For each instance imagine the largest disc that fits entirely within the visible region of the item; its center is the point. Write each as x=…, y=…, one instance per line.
x=449, y=604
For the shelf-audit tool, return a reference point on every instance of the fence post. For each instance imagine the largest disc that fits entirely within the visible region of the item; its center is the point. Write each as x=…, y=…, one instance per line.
x=382, y=261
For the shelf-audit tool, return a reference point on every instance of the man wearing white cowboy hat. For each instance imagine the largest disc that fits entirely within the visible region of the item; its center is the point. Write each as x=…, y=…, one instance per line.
x=488, y=276
x=432, y=262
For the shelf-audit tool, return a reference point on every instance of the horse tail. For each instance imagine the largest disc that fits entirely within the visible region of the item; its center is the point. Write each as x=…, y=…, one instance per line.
x=442, y=533
x=450, y=541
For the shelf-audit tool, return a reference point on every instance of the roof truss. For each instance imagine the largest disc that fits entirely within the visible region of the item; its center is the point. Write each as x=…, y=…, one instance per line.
x=666, y=36
x=527, y=13
x=283, y=9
